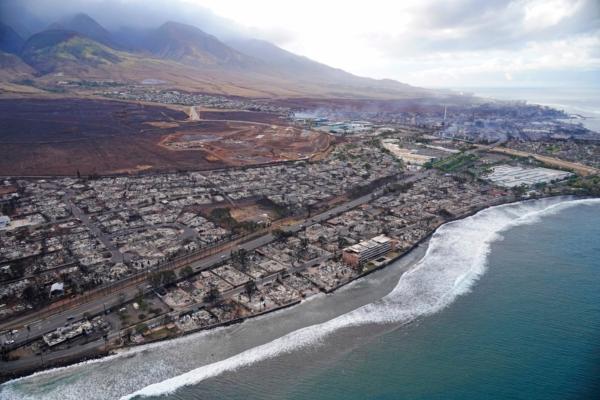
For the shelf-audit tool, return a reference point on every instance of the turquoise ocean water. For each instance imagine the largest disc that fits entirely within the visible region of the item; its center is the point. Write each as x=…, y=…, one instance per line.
x=503, y=305
x=529, y=329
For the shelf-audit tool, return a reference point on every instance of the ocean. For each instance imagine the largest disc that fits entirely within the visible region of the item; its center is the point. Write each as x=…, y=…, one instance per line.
x=584, y=101
x=500, y=305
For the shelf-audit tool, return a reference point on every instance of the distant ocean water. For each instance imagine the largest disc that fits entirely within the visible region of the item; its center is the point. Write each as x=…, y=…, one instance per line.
x=504, y=305
x=577, y=100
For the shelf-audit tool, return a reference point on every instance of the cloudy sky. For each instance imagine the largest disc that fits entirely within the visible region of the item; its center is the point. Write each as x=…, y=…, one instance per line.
x=432, y=43
x=436, y=43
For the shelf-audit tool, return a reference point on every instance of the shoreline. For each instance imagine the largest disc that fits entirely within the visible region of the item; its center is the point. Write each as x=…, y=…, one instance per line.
x=100, y=352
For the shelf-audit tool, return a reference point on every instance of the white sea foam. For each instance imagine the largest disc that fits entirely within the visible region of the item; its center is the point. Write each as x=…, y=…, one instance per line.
x=455, y=259
x=424, y=290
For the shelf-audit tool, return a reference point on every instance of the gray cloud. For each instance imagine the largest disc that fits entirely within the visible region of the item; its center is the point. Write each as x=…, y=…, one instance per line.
x=458, y=13
x=442, y=40
x=35, y=15
x=473, y=25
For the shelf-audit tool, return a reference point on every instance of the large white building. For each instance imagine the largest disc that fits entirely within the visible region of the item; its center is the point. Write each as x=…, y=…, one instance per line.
x=407, y=155
x=366, y=250
x=511, y=176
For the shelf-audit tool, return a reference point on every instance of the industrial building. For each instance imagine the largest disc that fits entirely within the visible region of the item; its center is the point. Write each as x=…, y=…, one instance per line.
x=367, y=250
x=409, y=156
x=512, y=176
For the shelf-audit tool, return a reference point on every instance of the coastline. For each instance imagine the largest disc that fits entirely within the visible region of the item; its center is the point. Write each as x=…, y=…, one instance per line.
x=417, y=251
x=454, y=261
x=456, y=258
x=537, y=294
x=100, y=353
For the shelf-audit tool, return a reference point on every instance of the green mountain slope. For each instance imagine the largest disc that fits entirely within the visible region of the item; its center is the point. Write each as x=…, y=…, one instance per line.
x=60, y=50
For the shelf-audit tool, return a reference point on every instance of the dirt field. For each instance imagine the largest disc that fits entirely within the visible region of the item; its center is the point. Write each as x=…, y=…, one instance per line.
x=252, y=212
x=42, y=137
x=243, y=143
x=263, y=117
x=61, y=136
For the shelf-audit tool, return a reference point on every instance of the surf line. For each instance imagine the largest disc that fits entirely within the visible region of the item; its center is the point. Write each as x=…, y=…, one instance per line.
x=454, y=261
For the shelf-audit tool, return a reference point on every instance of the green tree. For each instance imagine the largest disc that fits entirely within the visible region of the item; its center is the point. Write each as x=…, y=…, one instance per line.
x=342, y=242
x=141, y=328
x=162, y=278
x=519, y=190
x=186, y=272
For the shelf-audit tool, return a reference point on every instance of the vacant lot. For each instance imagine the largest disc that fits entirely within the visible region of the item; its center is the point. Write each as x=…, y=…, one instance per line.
x=243, y=143
x=41, y=137
x=250, y=116
x=62, y=136
x=252, y=212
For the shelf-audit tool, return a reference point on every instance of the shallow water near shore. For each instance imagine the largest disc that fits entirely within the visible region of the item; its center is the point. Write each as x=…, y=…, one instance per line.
x=528, y=328
x=116, y=376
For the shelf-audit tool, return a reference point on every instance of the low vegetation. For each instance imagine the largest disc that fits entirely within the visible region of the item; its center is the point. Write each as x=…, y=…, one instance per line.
x=454, y=163
x=589, y=185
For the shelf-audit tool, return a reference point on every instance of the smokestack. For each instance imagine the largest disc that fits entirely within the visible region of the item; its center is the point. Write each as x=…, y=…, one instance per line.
x=444, y=122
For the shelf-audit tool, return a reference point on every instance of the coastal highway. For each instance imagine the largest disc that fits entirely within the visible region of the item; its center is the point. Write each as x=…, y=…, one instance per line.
x=95, y=346
x=111, y=300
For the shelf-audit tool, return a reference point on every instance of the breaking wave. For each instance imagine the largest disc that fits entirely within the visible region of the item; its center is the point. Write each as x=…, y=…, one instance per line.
x=455, y=259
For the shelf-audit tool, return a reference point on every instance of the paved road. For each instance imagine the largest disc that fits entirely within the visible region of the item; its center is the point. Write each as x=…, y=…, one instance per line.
x=77, y=212
x=98, y=305
x=98, y=344
x=194, y=114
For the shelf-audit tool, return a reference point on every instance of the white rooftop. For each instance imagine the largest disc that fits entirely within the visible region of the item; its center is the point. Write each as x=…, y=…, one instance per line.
x=57, y=286
x=512, y=176
x=368, y=244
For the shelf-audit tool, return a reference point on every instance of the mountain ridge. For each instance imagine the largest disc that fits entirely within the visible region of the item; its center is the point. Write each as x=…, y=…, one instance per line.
x=10, y=40
x=186, y=57
x=190, y=45
x=55, y=49
x=85, y=25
